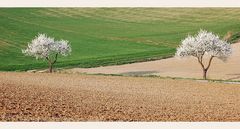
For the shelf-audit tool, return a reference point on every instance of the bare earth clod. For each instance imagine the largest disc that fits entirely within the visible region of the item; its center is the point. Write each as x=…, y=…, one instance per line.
x=73, y=97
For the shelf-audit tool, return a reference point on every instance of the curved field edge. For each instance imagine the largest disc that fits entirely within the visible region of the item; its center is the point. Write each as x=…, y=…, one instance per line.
x=95, y=62
x=107, y=36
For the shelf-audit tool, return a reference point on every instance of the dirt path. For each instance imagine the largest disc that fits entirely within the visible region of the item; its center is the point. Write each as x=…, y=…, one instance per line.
x=175, y=67
x=72, y=97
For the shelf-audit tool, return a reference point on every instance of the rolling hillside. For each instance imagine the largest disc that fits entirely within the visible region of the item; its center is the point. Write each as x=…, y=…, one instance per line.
x=106, y=36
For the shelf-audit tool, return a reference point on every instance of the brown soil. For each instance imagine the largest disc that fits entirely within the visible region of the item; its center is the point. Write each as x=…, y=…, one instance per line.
x=175, y=67
x=72, y=97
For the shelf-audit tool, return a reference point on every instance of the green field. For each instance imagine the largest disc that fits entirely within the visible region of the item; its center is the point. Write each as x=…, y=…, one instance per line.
x=107, y=36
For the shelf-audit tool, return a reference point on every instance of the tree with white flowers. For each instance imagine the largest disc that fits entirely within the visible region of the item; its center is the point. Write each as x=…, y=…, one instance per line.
x=204, y=44
x=44, y=47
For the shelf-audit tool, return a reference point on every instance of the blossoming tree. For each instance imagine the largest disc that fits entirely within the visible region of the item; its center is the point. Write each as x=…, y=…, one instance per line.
x=204, y=43
x=44, y=47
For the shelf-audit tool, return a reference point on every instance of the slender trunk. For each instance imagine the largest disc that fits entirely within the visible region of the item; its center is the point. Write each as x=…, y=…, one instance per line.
x=50, y=67
x=205, y=74
x=206, y=69
x=50, y=63
x=203, y=67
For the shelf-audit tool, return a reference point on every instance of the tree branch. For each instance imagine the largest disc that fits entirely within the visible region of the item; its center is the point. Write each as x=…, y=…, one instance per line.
x=49, y=61
x=47, y=58
x=209, y=63
x=55, y=59
x=200, y=62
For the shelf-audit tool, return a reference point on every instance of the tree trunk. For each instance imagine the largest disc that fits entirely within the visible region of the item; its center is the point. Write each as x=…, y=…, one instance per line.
x=203, y=67
x=50, y=68
x=205, y=74
x=50, y=63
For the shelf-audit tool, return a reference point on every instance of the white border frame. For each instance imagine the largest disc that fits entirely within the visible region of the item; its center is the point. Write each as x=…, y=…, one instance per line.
x=119, y=125
x=119, y=3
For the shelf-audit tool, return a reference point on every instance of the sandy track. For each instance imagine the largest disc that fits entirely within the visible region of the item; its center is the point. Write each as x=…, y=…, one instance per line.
x=72, y=97
x=175, y=67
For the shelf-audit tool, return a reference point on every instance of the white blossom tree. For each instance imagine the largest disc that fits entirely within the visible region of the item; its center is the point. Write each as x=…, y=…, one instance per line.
x=204, y=43
x=44, y=47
